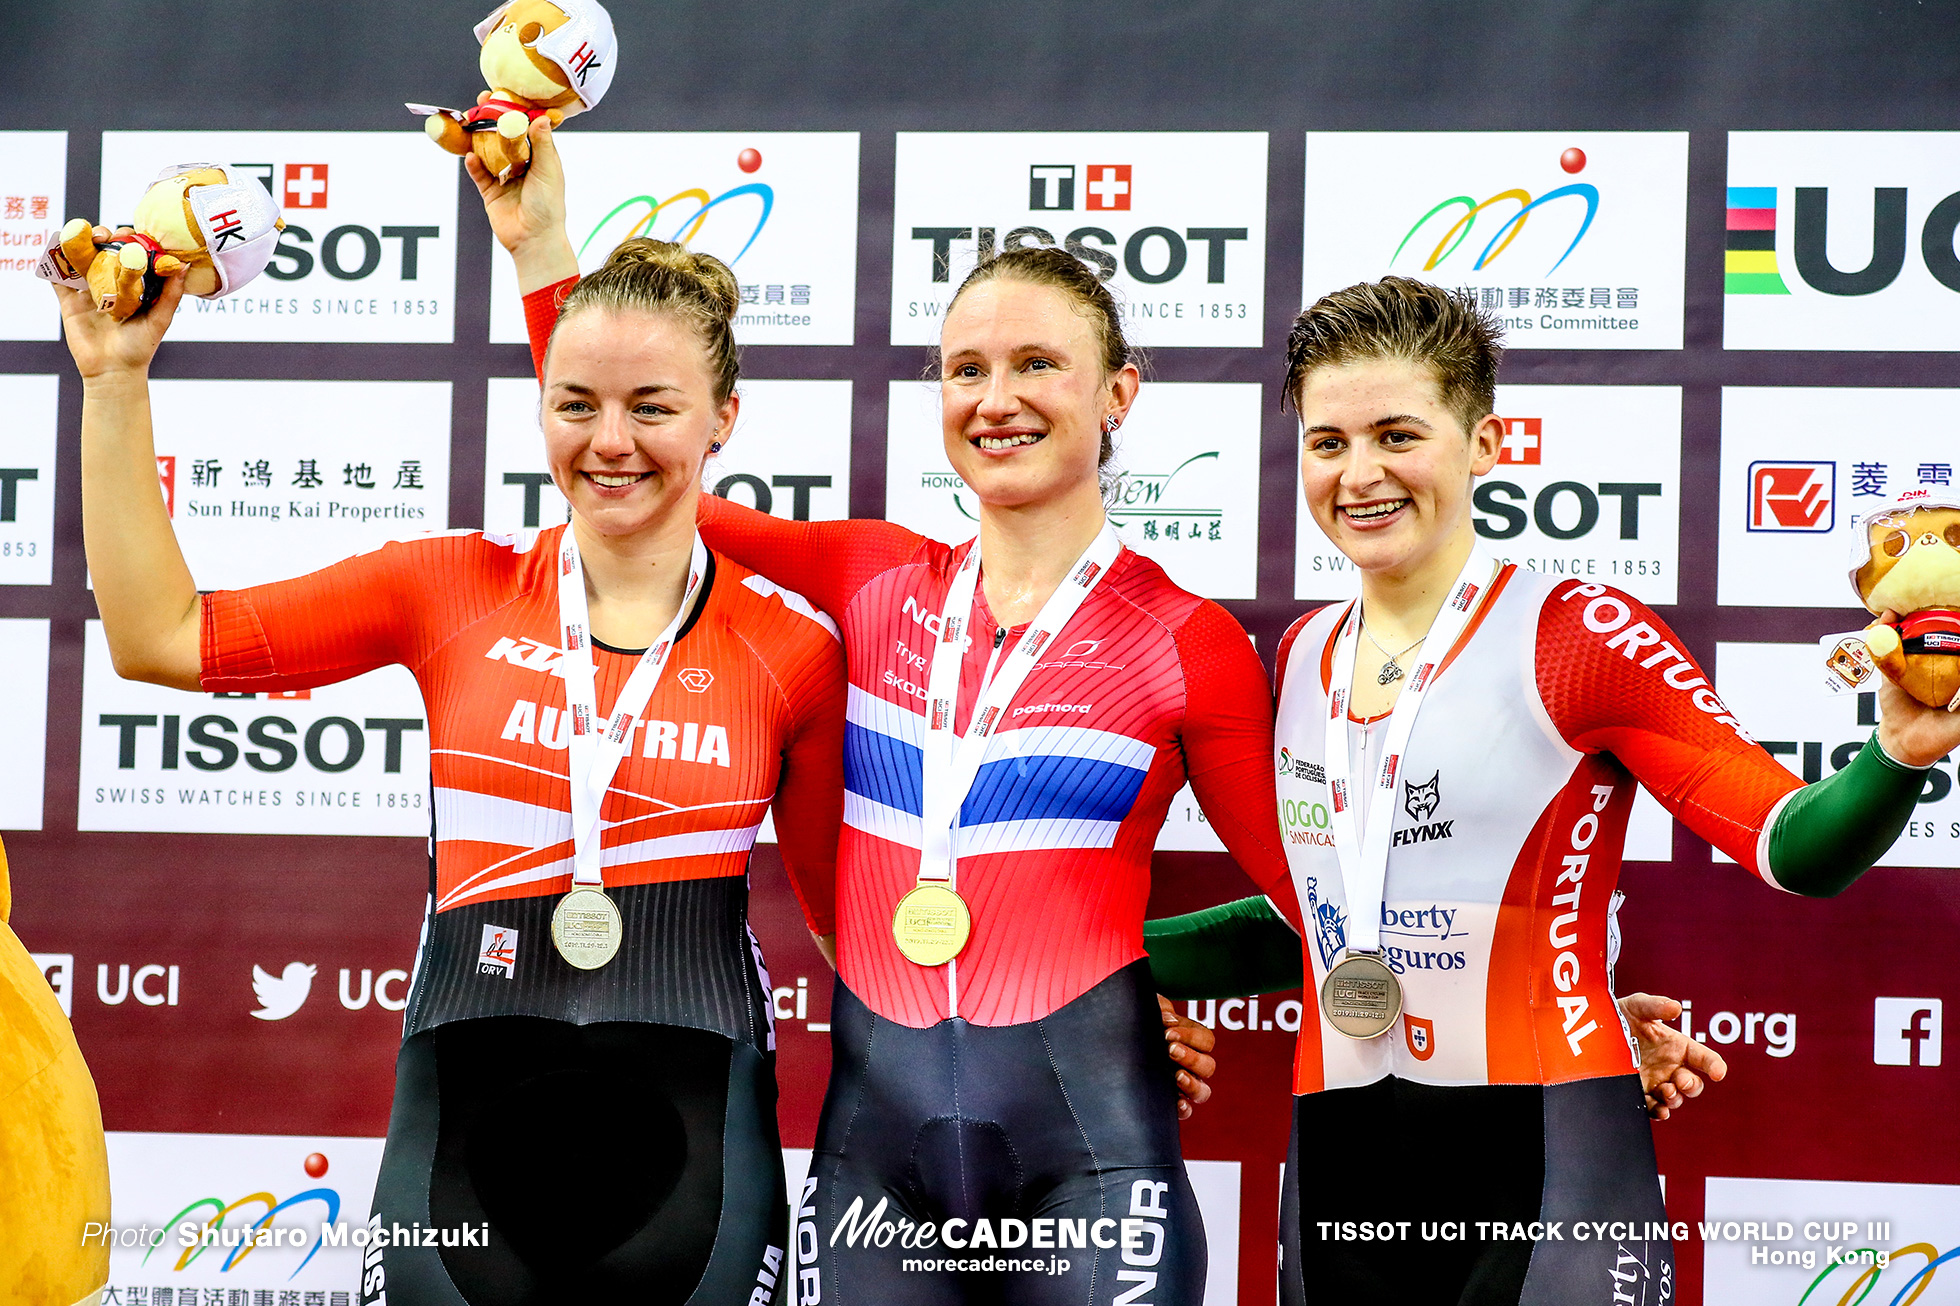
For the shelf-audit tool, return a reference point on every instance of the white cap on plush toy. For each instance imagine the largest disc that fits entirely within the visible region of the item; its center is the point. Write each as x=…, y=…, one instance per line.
x=238, y=223
x=1861, y=540
x=583, y=47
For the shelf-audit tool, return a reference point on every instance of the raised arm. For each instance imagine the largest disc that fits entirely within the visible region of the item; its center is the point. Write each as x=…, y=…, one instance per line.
x=143, y=588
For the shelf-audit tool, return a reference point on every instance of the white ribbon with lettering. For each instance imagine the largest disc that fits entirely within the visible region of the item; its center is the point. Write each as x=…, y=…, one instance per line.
x=1364, y=861
x=952, y=762
x=595, y=752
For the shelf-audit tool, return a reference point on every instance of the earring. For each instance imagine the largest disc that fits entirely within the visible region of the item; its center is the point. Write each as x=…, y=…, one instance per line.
x=715, y=446
x=1110, y=424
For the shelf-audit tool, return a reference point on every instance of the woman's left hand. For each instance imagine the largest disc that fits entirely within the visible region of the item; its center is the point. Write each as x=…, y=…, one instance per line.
x=1908, y=730
x=1190, y=1047
x=1673, y=1067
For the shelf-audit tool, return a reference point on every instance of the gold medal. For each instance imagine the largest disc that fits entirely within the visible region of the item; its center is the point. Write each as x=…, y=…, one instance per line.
x=1361, y=996
x=931, y=924
x=586, y=928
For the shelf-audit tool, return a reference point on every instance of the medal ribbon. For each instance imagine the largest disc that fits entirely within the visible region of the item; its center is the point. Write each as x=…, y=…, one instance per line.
x=597, y=748
x=1364, y=860
x=953, y=762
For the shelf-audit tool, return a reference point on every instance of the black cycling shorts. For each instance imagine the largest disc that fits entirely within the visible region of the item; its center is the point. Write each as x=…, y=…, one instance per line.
x=559, y=1163
x=1445, y=1158
x=1060, y=1134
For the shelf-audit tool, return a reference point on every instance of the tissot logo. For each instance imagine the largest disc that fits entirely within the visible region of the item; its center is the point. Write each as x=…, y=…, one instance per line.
x=1792, y=496
x=27, y=481
x=368, y=249
x=1178, y=225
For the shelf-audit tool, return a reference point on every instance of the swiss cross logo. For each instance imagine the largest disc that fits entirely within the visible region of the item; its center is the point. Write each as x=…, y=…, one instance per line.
x=305, y=186
x=167, y=481
x=695, y=680
x=1792, y=496
x=1109, y=186
x=226, y=227
x=1523, y=440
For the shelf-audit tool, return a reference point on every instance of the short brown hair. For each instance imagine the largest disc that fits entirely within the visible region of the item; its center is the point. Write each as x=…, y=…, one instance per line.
x=658, y=276
x=1047, y=265
x=1397, y=317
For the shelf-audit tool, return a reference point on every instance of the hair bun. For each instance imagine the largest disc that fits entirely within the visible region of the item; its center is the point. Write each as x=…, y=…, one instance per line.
x=712, y=283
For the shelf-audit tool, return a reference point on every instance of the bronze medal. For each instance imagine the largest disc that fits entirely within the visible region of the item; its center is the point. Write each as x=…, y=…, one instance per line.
x=1361, y=996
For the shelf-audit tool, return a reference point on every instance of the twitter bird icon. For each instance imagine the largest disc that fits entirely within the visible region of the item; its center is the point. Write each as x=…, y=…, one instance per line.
x=281, y=995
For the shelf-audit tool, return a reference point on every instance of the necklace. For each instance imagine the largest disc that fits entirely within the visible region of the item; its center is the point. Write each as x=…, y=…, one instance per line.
x=1391, y=671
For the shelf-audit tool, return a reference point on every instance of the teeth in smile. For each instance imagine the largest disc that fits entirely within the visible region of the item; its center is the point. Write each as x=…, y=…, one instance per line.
x=611, y=482
x=1006, y=441
x=1374, y=510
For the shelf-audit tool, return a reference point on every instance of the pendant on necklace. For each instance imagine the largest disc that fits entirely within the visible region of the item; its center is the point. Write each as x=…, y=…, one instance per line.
x=1390, y=673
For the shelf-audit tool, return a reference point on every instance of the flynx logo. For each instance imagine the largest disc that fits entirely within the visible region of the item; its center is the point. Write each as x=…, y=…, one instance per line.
x=1569, y=196
x=1751, y=267
x=686, y=221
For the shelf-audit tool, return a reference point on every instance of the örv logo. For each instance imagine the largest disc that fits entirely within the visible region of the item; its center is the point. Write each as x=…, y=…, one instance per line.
x=1051, y=187
x=1792, y=496
x=498, y=955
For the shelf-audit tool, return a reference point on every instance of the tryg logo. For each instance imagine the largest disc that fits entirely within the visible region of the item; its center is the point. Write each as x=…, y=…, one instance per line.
x=1420, y=801
x=1809, y=241
x=1906, y=1031
x=1501, y=499
x=1051, y=186
x=1792, y=496
x=210, y=743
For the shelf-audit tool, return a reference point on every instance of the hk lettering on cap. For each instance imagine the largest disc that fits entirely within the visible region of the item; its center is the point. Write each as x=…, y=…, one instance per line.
x=237, y=221
x=583, y=46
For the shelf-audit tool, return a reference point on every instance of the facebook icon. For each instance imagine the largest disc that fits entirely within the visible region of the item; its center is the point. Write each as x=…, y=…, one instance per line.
x=1906, y=1032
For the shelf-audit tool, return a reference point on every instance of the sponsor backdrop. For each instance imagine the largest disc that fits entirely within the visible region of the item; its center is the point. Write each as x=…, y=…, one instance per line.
x=1731, y=290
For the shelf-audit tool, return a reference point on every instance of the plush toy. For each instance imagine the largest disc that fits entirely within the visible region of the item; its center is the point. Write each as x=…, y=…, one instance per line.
x=193, y=215
x=541, y=60
x=52, y=1152
x=1906, y=559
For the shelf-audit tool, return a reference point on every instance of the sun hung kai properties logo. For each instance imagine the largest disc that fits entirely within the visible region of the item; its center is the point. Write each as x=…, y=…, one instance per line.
x=1573, y=240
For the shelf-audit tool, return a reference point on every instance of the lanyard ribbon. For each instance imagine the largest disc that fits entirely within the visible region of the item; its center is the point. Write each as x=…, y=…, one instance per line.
x=1364, y=861
x=596, y=751
x=952, y=762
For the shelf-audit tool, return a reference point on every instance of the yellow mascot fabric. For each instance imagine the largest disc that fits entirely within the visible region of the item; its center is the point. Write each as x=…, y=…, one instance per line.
x=54, y=1164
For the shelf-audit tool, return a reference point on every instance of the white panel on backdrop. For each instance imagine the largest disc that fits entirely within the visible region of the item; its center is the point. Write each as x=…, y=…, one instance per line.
x=1588, y=484
x=33, y=194
x=790, y=454
x=1188, y=502
x=27, y=480
x=1826, y=1216
x=270, y=479
x=1802, y=467
x=23, y=720
x=1576, y=239
x=1775, y=690
x=780, y=208
x=1216, y=1185
x=158, y=1182
x=1842, y=240
x=351, y=758
x=369, y=249
x=1174, y=221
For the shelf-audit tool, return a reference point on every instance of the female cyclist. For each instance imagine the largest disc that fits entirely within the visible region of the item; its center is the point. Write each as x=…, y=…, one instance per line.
x=1016, y=731
x=1466, y=1065
x=586, y=1066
